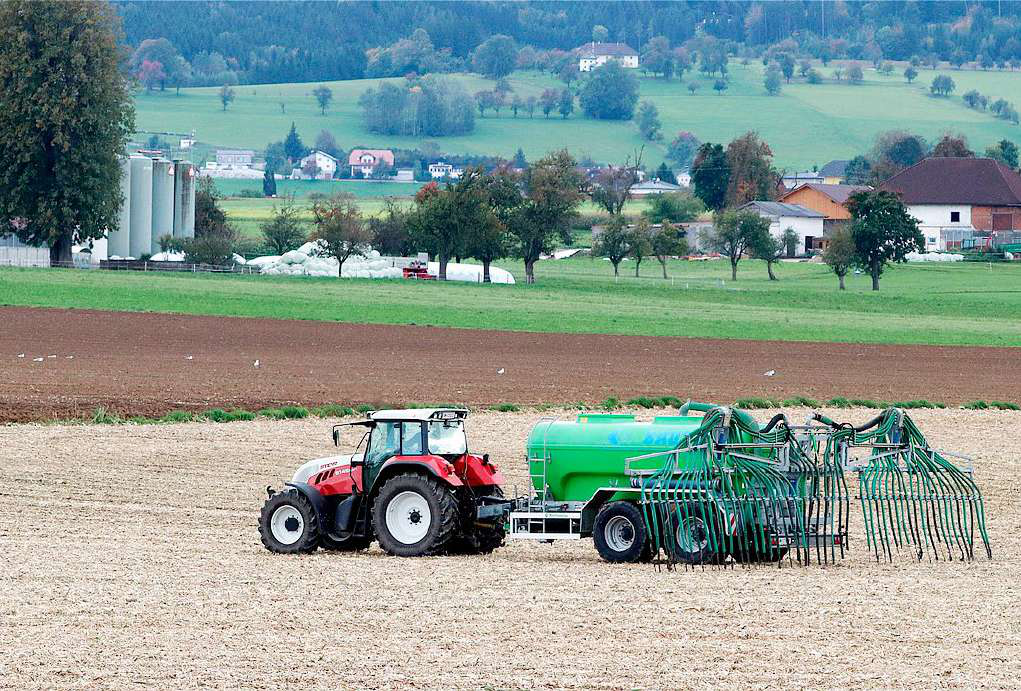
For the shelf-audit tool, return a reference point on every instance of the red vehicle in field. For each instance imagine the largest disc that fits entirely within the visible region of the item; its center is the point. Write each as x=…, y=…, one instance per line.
x=411, y=484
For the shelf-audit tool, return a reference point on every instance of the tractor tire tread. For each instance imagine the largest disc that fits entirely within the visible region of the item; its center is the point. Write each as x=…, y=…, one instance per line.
x=447, y=519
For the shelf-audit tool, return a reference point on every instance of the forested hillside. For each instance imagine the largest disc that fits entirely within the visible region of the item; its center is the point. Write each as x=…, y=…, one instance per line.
x=263, y=42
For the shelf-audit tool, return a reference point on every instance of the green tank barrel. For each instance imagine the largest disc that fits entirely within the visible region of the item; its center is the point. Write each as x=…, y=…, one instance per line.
x=590, y=452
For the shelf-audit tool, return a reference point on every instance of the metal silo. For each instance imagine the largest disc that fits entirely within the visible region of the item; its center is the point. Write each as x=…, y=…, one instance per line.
x=118, y=238
x=162, y=200
x=184, y=200
x=141, y=206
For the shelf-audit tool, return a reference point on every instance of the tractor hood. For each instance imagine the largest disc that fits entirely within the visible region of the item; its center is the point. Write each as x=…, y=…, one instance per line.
x=312, y=467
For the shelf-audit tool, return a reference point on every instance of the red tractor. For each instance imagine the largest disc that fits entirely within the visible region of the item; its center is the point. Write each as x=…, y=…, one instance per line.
x=411, y=484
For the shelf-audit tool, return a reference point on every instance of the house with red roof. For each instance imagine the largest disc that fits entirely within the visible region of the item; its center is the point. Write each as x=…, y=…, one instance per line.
x=370, y=161
x=959, y=197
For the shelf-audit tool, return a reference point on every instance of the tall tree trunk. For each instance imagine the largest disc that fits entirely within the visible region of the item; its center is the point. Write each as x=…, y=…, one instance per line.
x=616, y=269
x=733, y=269
x=769, y=270
x=443, y=267
x=638, y=265
x=340, y=267
x=840, y=277
x=663, y=263
x=485, y=271
x=875, y=279
x=60, y=251
x=529, y=271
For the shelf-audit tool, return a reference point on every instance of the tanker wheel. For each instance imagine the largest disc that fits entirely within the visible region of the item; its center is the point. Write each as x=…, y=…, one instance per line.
x=619, y=533
x=414, y=516
x=289, y=524
x=691, y=544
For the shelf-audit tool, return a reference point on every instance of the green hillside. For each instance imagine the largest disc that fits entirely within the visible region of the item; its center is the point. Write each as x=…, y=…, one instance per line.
x=806, y=124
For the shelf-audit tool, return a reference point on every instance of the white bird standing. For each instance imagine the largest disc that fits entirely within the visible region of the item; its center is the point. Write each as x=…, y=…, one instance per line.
x=501, y=370
x=189, y=357
x=21, y=355
x=256, y=363
x=770, y=373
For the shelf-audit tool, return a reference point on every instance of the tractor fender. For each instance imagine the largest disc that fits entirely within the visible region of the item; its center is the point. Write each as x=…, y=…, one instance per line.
x=313, y=495
x=431, y=465
x=347, y=510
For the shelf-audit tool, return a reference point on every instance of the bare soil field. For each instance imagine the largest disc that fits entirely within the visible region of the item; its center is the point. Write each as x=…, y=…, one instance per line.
x=66, y=363
x=132, y=560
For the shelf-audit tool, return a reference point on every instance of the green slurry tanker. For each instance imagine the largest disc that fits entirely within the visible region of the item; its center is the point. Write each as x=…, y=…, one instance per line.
x=707, y=486
x=713, y=486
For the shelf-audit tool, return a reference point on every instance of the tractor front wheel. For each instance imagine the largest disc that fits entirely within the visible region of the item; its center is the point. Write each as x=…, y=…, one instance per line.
x=414, y=516
x=289, y=524
x=619, y=533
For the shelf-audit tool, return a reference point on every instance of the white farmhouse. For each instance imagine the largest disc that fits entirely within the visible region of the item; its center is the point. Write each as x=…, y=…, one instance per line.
x=593, y=55
x=807, y=223
x=441, y=170
x=318, y=165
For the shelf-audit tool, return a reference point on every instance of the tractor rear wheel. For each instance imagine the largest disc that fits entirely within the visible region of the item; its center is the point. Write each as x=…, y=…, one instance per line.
x=288, y=523
x=619, y=533
x=414, y=516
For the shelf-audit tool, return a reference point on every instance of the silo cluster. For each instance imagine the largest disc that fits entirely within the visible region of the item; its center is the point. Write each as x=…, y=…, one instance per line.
x=159, y=199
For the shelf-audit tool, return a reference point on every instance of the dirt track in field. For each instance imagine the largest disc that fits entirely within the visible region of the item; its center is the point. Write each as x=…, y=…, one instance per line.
x=147, y=364
x=131, y=560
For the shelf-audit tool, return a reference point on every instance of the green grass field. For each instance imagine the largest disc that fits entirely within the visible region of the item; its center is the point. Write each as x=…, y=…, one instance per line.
x=962, y=304
x=805, y=125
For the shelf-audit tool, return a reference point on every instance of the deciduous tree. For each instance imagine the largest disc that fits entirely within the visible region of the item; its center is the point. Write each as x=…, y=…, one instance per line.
x=752, y=176
x=610, y=92
x=839, y=254
x=65, y=118
x=496, y=56
x=226, y=95
x=284, y=230
x=883, y=231
x=552, y=190
x=667, y=242
x=734, y=233
x=613, y=242
x=339, y=230
x=323, y=95
x=639, y=242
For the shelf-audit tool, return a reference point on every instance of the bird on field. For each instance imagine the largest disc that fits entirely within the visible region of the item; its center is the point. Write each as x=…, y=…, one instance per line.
x=770, y=373
x=21, y=355
x=189, y=357
x=37, y=359
x=256, y=363
x=501, y=370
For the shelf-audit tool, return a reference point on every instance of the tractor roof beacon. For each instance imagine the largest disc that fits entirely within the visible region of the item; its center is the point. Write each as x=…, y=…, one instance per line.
x=411, y=483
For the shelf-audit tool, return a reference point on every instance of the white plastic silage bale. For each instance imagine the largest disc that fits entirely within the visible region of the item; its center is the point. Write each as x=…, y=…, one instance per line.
x=264, y=261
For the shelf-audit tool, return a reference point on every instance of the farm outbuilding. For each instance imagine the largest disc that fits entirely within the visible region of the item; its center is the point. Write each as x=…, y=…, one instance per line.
x=807, y=223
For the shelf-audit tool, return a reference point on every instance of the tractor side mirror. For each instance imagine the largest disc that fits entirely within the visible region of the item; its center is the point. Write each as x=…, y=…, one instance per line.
x=336, y=436
x=485, y=458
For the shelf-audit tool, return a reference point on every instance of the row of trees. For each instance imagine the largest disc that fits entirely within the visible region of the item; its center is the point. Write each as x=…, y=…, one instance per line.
x=487, y=216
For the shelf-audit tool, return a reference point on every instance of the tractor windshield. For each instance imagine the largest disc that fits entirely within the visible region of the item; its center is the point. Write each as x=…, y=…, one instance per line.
x=446, y=438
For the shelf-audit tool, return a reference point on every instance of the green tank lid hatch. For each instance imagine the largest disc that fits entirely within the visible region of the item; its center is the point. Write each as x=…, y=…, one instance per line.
x=604, y=417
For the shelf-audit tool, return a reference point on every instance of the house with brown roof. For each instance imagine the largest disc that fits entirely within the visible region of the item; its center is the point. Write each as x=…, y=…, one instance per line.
x=370, y=161
x=829, y=200
x=593, y=55
x=951, y=196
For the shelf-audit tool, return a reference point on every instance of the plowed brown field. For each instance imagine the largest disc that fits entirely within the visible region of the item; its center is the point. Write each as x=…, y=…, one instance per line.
x=131, y=560
x=148, y=364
